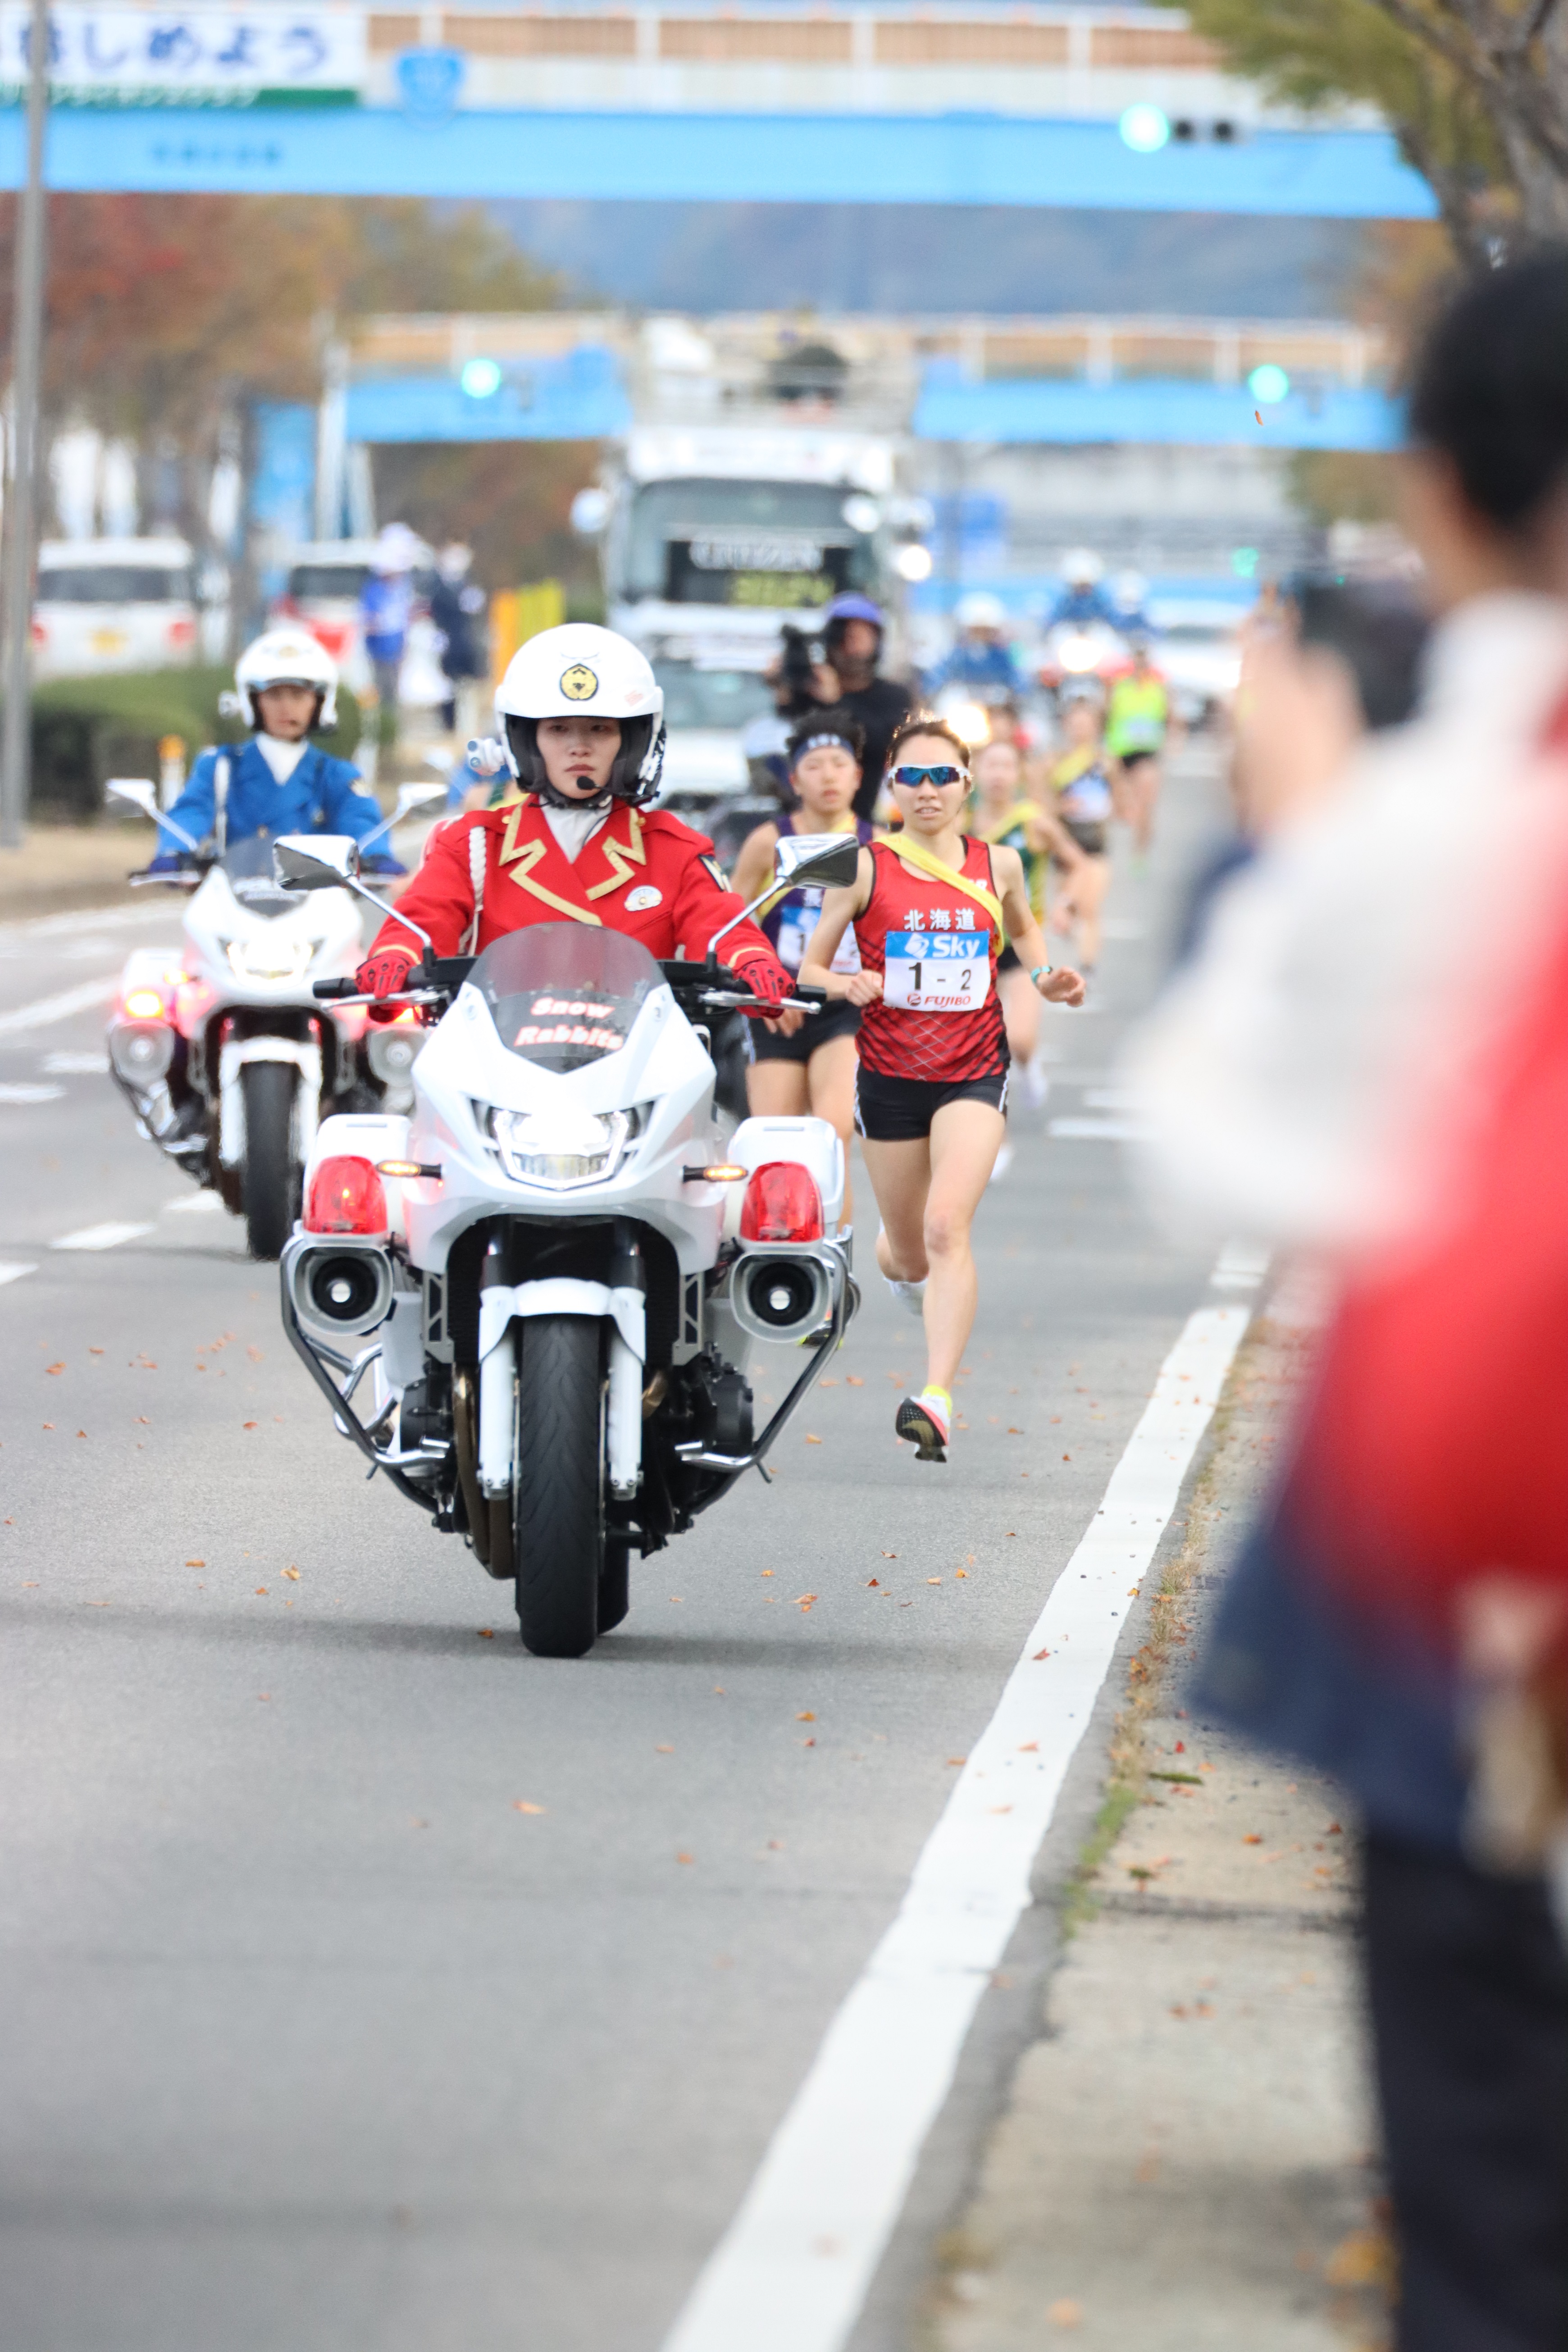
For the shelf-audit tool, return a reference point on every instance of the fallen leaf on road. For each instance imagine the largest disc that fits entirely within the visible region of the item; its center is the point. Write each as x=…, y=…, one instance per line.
x=261, y=1588
x=961, y=1571
x=803, y=1600
x=934, y=1579
x=718, y=1690
x=1012, y=1532
x=48, y=1424
x=95, y=1351
x=521, y=1805
x=662, y=1747
x=852, y=1381
x=1029, y=1747
x=806, y=1718
x=253, y=1424
x=889, y=1555
x=1042, y=1654
x=54, y=1368
x=255, y=1355
x=958, y=1760
x=1014, y=1433
x=872, y=1580
x=767, y=1571
x=812, y=1440
x=1065, y=2314
x=487, y=1632
x=292, y=1574
x=827, y=1384
x=1067, y=1457
x=142, y=1422
x=264, y=1693
x=1252, y=1838
x=686, y=1857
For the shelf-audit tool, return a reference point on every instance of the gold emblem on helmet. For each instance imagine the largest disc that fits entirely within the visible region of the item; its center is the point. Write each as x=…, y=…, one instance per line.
x=579, y=683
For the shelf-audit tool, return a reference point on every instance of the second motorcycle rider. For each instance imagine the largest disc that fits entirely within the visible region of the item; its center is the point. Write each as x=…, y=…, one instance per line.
x=583, y=716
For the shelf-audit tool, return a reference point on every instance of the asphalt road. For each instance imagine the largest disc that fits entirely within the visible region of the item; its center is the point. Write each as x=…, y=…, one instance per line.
x=367, y=1983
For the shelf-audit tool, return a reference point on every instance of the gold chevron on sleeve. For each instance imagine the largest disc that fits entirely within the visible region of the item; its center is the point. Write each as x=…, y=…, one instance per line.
x=617, y=854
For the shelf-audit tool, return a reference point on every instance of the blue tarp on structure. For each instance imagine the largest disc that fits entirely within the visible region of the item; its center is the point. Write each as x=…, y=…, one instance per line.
x=1195, y=416
x=578, y=397
x=974, y=159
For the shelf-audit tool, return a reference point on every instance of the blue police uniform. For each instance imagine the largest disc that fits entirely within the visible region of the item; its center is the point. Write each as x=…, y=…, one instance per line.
x=982, y=667
x=323, y=795
x=1081, y=606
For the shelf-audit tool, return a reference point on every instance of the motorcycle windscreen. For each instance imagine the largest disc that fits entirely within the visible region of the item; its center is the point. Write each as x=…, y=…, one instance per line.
x=564, y=995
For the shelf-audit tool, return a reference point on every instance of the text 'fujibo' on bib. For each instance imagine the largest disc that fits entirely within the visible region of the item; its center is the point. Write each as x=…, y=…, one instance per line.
x=937, y=971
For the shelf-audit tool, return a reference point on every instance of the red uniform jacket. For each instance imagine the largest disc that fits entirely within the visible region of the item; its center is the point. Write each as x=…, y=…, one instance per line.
x=643, y=872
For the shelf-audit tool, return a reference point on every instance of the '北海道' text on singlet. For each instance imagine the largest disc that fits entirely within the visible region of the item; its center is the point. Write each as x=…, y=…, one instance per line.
x=938, y=1017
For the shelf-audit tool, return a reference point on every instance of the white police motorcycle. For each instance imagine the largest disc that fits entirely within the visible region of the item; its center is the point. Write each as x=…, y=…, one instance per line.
x=532, y=1299
x=226, y=1058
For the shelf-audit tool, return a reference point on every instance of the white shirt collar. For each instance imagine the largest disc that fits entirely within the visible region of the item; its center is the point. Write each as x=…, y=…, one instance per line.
x=281, y=758
x=574, y=827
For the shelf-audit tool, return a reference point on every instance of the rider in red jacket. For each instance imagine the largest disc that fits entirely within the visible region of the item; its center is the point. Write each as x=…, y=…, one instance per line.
x=583, y=720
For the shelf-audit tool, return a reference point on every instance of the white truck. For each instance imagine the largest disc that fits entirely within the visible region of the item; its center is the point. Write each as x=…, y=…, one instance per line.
x=715, y=536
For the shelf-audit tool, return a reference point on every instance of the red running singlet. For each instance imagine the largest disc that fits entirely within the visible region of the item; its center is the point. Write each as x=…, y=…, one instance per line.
x=942, y=1047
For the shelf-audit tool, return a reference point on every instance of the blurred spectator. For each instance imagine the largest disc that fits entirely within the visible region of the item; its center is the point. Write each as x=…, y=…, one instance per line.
x=1083, y=596
x=1367, y=1058
x=386, y=608
x=457, y=607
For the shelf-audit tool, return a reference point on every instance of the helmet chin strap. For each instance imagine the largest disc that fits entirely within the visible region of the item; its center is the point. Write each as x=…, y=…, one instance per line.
x=547, y=793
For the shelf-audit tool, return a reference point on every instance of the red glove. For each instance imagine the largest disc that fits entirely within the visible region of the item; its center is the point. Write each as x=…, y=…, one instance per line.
x=770, y=980
x=385, y=974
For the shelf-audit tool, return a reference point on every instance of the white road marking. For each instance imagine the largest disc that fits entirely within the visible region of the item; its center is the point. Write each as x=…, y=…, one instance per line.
x=76, y=1065
x=99, y=1237
x=192, y=1205
x=1099, y=1131
x=792, y=2271
x=1242, y=1266
x=31, y=1093
x=1113, y=1098
x=59, y=1008
x=99, y=919
x=11, y=1273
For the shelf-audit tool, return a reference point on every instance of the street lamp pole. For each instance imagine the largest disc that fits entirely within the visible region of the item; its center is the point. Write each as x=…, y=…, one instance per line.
x=27, y=351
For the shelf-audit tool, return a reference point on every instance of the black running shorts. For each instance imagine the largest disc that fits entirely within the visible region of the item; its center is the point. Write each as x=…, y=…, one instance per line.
x=839, y=1020
x=901, y=1110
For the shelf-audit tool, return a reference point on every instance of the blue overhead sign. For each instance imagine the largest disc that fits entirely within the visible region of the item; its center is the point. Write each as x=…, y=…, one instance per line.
x=577, y=397
x=980, y=159
x=1193, y=416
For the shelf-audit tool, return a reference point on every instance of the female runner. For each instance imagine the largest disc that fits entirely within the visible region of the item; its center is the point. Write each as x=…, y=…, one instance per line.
x=806, y=1064
x=1006, y=819
x=929, y=910
x=1084, y=806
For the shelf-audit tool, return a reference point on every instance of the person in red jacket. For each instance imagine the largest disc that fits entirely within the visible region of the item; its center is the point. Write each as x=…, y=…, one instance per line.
x=583, y=717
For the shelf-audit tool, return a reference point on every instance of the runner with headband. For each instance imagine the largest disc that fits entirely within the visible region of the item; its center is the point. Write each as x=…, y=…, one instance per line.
x=929, y=908
x=807, y=1064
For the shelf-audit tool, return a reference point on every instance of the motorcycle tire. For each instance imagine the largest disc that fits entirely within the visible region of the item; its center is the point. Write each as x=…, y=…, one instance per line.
x=558, y=1490
x=271, y=1179
x=615, y=1585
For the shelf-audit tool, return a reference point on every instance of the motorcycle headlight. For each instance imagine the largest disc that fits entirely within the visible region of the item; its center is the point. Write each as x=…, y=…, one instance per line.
x=560, y=1147
x=284, y=957
x=1078, y=654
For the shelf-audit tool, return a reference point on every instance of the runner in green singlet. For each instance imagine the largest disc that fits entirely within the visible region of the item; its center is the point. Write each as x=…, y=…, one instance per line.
x=1137, y=723
x=1003, y=816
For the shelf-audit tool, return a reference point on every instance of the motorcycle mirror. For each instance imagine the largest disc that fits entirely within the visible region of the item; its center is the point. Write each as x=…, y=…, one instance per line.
x=315, y=861
x=830, y=861
x=140, y=790
x=412, y=796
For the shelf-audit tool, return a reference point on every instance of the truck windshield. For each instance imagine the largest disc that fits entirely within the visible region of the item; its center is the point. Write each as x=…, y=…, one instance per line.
x=779, y=544
x=115, y=584
x=711, y=698
x=562, y=994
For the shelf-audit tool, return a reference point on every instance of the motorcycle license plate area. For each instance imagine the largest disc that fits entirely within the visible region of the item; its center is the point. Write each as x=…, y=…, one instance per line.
x=937, y=971
x=565, y=994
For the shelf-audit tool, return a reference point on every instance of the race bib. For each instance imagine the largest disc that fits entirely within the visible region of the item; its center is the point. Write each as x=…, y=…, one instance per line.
x=941, y=971
x=795, y=927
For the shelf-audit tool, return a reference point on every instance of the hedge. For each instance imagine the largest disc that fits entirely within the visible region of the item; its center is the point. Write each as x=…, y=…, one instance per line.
x=86, y=730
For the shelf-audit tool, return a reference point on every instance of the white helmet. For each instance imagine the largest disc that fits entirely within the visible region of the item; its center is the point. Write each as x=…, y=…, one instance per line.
x=979, y=611
x=579, y=671
x=287, y=656
x=1082, y=563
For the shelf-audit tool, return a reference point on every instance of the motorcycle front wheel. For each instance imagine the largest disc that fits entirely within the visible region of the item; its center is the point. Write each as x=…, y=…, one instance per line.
x=271, y=1177
x=558, y=1486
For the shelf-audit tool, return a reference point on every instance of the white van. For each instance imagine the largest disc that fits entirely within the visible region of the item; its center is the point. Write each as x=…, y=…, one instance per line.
x=114, y=604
